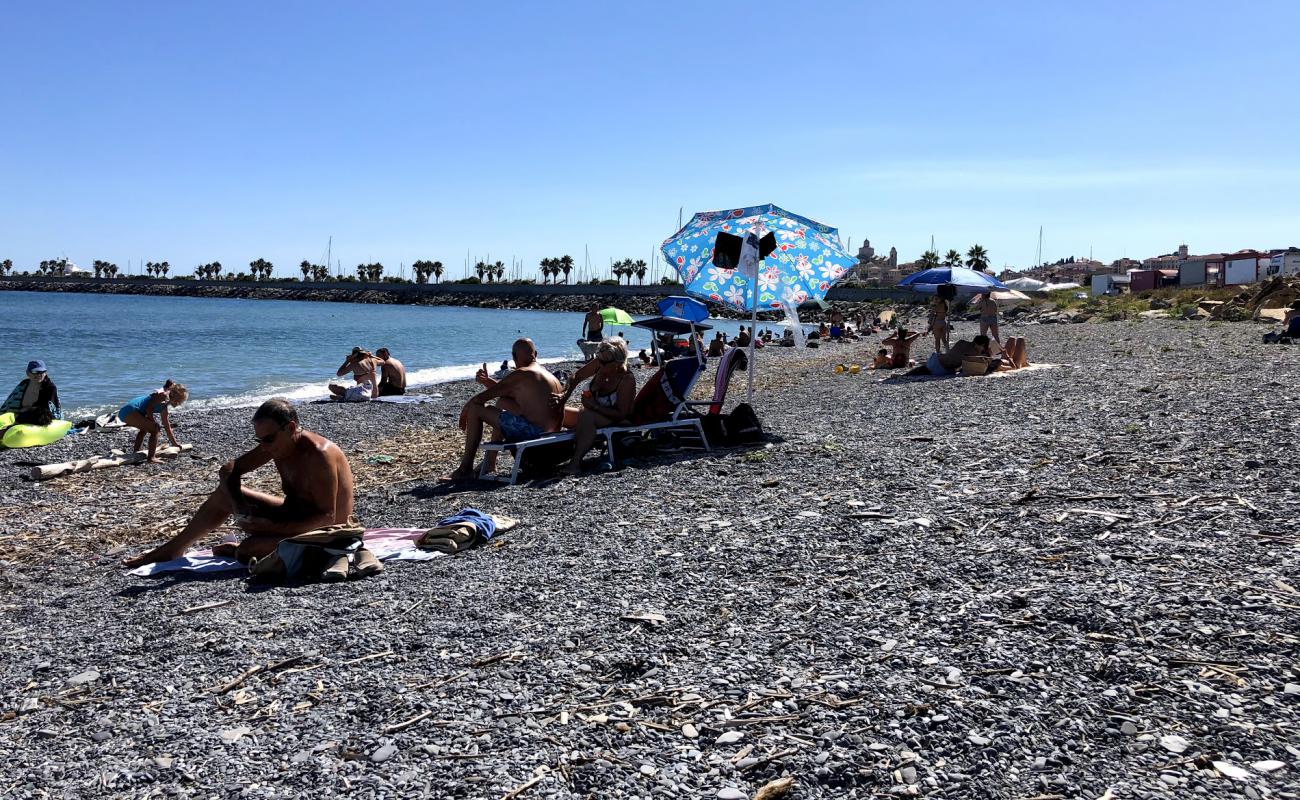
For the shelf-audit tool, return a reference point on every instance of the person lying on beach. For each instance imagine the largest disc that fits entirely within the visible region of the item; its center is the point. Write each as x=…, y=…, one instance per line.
x=1015, y=353
x=139, y=414
x=525, y=408
x=882, y=360
x=901, y=342
x=645, y=358
x=362, y=365
x=606, y=401
x=35, y=400
x=393, y=374
x=314, y=474
x=949, y=362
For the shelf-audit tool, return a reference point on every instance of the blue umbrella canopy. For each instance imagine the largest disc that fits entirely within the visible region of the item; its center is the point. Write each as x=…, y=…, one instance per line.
x=965, y=279
x=683, y=308
x=807, y=261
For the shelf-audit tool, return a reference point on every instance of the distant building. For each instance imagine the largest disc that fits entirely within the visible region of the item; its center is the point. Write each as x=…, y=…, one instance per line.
x=876, y=270
x=1284, y=262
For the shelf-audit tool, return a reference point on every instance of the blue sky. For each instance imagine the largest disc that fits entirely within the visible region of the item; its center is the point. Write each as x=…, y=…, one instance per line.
x=231, y=131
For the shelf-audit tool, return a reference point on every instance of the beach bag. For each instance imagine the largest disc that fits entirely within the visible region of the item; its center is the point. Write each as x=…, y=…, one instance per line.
x=328, y=553
x=715, y=429
x=742, y=425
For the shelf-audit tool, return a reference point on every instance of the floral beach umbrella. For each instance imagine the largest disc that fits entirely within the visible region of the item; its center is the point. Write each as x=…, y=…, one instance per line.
x=804, y=262
x=807, y=261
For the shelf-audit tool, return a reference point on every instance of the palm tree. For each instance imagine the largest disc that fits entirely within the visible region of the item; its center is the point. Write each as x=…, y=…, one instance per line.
x=436, y=269
x=305, y=267
x=112, y=270
x=566, y=266
x=929, y=260
x=500, y=269
x=545, y=264
x=952, y=258
x=6, y=266
x=164, y=268
x=977, y=258
x=640, y=266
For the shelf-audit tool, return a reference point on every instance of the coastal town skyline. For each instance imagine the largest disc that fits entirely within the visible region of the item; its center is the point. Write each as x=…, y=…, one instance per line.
x=194, y=136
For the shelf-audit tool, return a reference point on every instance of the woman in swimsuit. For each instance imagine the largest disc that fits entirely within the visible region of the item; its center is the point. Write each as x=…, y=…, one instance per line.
x=989, y=317
x=939, y=323
x=139, y=413
x=607, y=401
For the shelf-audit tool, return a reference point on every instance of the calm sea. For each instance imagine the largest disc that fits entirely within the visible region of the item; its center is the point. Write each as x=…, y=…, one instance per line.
x=102, y=350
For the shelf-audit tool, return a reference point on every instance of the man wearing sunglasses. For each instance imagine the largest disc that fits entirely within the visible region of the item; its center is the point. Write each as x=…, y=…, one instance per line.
x=314, y=473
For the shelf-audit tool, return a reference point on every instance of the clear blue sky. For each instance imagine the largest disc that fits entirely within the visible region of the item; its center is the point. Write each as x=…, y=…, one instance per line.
x=191, y=132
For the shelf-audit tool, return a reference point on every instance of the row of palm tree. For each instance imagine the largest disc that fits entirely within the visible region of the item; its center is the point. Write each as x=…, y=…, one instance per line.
x=55, y=266
x=552, y=267
x=159, y=268
x=261, y=269
x=104, y=269
x=370, y=273
x=627, y=268
x=314, y=272
x=489, y=273
x=211, y=271
x=977, y=258
x=423, y=269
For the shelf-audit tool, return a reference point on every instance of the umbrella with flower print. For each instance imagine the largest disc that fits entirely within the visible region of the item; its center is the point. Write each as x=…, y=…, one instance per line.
x=786, y=260
x=808, y=259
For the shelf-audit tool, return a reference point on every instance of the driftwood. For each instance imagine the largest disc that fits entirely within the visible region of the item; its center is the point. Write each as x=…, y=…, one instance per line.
x=47, y=471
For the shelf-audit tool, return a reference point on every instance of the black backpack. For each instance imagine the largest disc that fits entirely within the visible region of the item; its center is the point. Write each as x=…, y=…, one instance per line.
x=742, y=426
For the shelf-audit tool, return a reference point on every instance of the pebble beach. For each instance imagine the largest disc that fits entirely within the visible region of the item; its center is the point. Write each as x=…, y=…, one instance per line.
x=1074, y=582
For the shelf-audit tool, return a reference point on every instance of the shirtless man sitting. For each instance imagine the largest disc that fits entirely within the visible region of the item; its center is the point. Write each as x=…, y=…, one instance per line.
x=901, y=341
x=525, y=408
x=314, y=474
x=392, y=372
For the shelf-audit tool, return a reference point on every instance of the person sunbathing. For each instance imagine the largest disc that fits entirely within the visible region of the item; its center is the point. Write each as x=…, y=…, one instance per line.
x=949, y=362
x=882, y=359
x=901, y=342
x=607, y=400
x=1015, y=353
x=393, y=374
x=525, y=408
x=314, y=474
x=362, y=365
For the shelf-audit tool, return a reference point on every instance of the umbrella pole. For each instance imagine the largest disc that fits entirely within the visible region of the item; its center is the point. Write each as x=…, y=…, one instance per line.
x=753, y=331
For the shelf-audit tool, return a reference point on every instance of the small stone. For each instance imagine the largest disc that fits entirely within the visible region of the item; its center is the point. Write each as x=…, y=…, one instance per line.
x=730, y=793
x=690, y=731
x=648, y=770
x=976, y=739
x=1292, y=688
x=730, y=736
x=909, y=774
x=1173, y=743
x=1172, y=780
x=1231, y=770
x=83, y=677
x=29, y=705
x=162, y=762
x=1128, y=728
x=101, y=736
x=383, y=754
x=1267, y=766
x=232, y=735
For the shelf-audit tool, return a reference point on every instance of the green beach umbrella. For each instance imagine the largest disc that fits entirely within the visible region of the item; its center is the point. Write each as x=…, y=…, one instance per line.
x=615, y=316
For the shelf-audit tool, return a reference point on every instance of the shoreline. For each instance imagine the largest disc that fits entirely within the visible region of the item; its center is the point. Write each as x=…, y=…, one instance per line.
x=576, y=298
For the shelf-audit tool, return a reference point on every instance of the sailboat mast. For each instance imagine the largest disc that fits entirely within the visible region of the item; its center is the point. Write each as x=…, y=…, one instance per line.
x=329, y=252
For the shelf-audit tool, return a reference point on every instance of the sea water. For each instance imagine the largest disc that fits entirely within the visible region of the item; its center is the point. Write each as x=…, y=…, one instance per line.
x=103, y=350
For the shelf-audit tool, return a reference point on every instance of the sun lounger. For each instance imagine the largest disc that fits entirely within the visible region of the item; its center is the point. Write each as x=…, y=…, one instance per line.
x=660, y=405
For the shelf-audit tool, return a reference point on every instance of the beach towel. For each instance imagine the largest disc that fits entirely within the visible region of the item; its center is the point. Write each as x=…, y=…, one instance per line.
x=387, y=544
x=463, y=530
x=950, y=376
x=409, y=399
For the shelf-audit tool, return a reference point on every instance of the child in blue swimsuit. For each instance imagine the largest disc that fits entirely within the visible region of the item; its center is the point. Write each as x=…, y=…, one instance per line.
x=139, y=413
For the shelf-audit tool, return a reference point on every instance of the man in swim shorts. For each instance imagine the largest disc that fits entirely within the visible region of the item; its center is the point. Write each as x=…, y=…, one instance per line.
x=314, y=474
x=525, y=407
x=392, y=372
x=592, y=325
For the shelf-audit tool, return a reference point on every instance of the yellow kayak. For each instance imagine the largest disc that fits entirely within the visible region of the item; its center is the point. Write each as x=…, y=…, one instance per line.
x=14, y=436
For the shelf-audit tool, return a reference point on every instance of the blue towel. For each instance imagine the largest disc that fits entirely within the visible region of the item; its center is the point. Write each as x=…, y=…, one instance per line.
x=483, y=523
